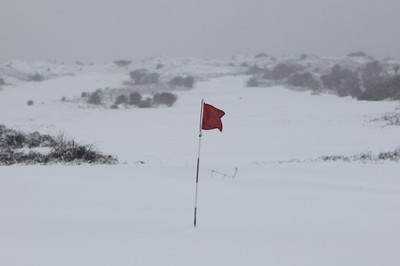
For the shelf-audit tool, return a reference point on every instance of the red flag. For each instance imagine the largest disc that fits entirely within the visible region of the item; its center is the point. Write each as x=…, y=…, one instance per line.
x=211, y=117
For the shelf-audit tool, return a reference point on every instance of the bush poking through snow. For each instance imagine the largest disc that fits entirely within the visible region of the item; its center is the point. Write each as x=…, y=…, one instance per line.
x=29, y=102
x=95, y=98
x=143, y=76
x=179, y=81
x=2, y=82
x=164, y=98
x=135, y=98
x=122, y=63
x=253, y=82
x=304, y=80
x=36, y=77
x=61, y=150
x=121, y=99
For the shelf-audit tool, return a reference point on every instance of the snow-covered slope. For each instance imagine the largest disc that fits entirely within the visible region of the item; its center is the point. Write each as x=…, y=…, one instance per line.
x=140, y=212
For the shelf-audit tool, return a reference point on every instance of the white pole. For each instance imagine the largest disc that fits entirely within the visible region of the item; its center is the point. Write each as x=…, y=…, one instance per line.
x=198, y=165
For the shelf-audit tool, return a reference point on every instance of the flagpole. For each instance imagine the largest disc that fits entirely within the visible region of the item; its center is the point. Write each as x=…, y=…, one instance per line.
x=198, y=165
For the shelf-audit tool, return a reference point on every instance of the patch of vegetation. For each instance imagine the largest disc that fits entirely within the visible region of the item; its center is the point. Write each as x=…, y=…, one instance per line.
x=382, y=156
x=61, y=150
x=253, y=82
x=304, y=80
x=393, y=156
x=179, y=81
x=29, y=102
x=283, y=71
x=143, y=76
x=135, y=98
x=2, y=82
x=95, y=97
x=164, y=98
x=382, y=88
x=36, y=77
x=342, y=81
x=122, y=63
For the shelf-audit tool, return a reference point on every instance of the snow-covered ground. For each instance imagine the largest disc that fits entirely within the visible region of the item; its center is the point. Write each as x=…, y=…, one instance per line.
x=140, y=212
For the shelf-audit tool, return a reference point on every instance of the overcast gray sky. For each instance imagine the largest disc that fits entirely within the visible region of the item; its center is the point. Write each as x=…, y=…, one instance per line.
x=106, y=30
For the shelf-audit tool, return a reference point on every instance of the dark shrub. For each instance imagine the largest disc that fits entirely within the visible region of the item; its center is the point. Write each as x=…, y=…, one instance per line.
x=121, y=99
x=382, y=88
x=343, y=81
x=36, y=77
x=159, y=66
x=29, y=102
x=179, y=81
x=122, y=63
x=138, y=74
x=2, y=82
x=147, y=103
x=396, y=69
x=372, y=70
x=282, y=71
x=84, y=95
x=11, y=139
x=165, y=98
x=142, y=76
x=253, y=82
x=267, y=74
x=305, y=80
x=135, y=98
x=95, y=98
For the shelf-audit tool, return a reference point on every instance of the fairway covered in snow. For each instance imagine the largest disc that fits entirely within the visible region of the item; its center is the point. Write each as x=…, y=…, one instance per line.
x=284, y=206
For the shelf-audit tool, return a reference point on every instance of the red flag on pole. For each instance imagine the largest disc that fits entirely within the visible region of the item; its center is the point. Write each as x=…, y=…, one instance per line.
x=211, y=117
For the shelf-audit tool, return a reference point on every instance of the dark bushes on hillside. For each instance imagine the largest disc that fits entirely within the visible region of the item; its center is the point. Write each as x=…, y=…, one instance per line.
x=282, y=71
x=342, y=81
x=382, y=88
x=179, y=81
x=304, y=80
x=253, y=82
x=122, y=63
x=2, y=82
x=36, y=77
x=121, y=99
x=143, y=76
x=164, y=98
x=135, y=98
x=95, y=98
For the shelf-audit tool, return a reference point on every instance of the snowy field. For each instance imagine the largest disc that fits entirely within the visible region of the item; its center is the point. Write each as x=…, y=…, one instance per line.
x=140, y=212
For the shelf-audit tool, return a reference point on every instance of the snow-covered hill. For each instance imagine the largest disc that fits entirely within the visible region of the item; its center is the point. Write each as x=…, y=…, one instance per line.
x=140, y=211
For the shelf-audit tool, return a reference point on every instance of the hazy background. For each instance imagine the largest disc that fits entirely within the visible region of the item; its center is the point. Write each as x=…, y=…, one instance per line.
x=106, y=30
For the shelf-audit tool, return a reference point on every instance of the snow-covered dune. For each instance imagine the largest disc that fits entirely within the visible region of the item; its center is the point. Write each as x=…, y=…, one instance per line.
x=140, y=211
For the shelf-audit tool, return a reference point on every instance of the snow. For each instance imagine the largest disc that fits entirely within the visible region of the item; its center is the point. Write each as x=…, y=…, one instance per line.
x=271, y=213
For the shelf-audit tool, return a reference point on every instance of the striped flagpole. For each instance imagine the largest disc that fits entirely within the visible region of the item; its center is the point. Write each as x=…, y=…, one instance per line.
x=198, y=165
